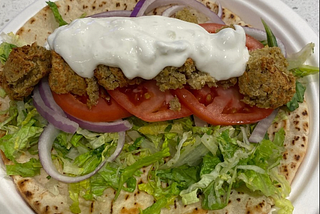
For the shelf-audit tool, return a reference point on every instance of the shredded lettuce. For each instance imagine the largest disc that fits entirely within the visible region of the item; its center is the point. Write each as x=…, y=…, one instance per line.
x=56, y=13
x=23, y=127
x=27, y=169
x=237, y=164
x=12, y=38
x=298, y=97
x=74, y=194
x=299, y=69
x=129, y=171
x=9, y=41
x=164, y=196
x=5, y=49
x=297, y=59
x=209, y=161
x=3, y=93
x=305, y=70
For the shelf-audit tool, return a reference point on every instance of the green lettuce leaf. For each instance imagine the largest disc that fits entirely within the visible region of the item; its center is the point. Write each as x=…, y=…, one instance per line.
x=5, y=49
x=305, y=70
x=27, y=169
x=297, y=59
x=297, y=98
x=26, y=136
x=184, y=175
x=164, y=196
x=129, y=171
x=235, y=164
x=56, y=13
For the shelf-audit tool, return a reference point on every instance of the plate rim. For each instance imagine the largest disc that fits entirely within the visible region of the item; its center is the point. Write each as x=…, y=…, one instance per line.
x=311, y=161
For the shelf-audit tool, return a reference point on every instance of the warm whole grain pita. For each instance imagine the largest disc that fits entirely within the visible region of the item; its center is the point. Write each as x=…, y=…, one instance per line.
x=42, y=199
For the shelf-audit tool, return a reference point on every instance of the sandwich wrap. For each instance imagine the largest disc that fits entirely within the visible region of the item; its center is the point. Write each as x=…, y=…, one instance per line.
x=36, y=190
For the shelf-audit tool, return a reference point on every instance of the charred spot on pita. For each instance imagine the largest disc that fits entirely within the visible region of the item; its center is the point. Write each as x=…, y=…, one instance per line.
x=36, y=203
x=32, y=20
x=305, y=113
x=28, y=194
x=22, y=183
x=305, y=126
x=304, y=138
x=92, y=206
x=285, y=155
x=262, y=204
x=127, y=196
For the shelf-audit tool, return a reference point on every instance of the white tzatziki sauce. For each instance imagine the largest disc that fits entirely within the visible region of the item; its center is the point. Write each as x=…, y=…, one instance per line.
x=143, y=46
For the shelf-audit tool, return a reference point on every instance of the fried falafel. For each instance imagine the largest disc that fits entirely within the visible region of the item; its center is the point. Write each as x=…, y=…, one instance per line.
x=24, y=68
x=267, y=83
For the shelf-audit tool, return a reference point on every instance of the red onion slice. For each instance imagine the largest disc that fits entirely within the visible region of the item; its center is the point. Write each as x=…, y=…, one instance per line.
x=199, y=122
x=148, y=5
x=172, y=10
x=262, y=35
x=220, y=10
x=55, y=118
x=46, y=95
x=104, y=127
x=45, y=145
x=140, y=7
x=262, y=127
x=121, y=141
x=113, y=13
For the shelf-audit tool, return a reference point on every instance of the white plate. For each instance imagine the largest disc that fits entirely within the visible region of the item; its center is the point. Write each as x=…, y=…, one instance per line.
x=295, y=33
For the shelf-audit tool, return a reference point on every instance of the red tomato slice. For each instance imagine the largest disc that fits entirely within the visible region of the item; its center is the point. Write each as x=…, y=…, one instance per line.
x=147, y=102
x=220, y=106
x=104, y=111
x=251, y=42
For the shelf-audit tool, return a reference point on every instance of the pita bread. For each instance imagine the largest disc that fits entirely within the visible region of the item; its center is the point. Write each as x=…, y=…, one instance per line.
x=43, y=200
x=39, y=27
x=36, y=194
x=296, y=143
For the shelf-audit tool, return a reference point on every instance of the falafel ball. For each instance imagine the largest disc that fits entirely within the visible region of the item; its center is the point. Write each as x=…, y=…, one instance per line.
x=266, y=82
x=25, y=67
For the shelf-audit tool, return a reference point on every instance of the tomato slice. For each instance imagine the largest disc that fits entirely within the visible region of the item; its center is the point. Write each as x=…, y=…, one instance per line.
x=147, y=102
x=251, y=42
x=220, y=106
x=214, y=105
x=104, y=111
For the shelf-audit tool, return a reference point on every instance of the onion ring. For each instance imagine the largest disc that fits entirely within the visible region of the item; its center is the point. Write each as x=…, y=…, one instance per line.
x=147, y=6
x=55, y=118
x=45, y=145
x=113, y=13
x=103, y=127
x=172, y=10
x=46, y=95
x=261, y=128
